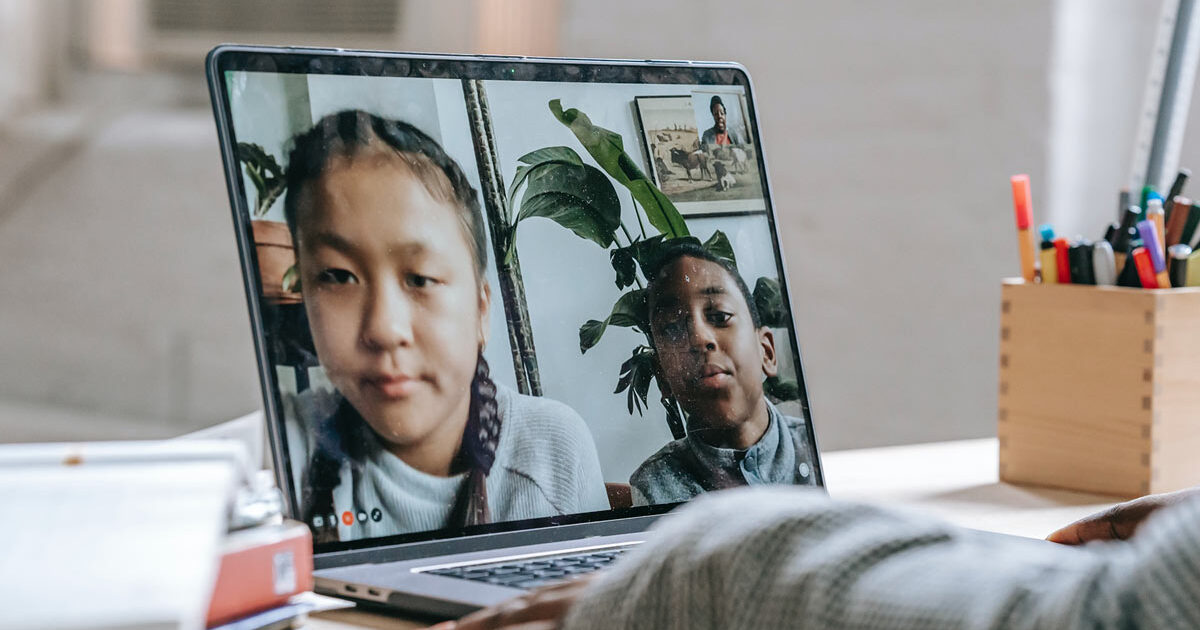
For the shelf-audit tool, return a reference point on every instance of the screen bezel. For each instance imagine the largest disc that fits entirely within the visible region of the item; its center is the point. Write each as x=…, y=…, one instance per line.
x=497, y=68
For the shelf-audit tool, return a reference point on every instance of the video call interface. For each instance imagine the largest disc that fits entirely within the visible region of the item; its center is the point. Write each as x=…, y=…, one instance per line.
x=502, y=301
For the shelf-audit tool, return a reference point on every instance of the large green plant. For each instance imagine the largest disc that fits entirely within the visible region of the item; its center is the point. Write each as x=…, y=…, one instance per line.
x=558, y=185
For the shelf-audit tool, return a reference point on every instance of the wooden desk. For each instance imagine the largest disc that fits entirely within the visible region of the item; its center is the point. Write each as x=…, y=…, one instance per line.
x=956, y=481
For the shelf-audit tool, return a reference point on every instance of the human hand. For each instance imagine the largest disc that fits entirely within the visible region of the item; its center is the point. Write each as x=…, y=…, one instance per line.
x=1120, y=521
x=543, y=609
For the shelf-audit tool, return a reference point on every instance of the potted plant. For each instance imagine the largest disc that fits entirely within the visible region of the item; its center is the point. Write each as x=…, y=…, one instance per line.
x=272, y=241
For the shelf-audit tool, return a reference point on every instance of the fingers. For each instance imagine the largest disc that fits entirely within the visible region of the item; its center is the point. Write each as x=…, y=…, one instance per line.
x=542, y=609
x=1118, y=522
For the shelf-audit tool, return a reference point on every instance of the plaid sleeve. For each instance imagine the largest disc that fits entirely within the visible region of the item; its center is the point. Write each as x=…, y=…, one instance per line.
x=790, y=558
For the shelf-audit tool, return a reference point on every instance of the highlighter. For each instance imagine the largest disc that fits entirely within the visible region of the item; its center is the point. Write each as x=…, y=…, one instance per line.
x=1145, y=268
x=1104, y=266
x=1151, y=242
x=1023, y=203
x=1176, y=220
x=1048, y=255
x=1080, y=260
x=1062, y=258
x=1177, y=266
x=1154, y=214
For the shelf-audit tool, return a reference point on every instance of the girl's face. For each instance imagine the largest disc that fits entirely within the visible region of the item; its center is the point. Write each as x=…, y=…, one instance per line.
x=397, y=312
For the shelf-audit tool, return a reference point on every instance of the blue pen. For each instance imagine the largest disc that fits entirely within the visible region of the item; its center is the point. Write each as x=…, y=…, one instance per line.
x=1153, y=244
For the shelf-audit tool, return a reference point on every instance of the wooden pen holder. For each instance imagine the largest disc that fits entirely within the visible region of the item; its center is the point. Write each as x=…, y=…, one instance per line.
x=1099, y=387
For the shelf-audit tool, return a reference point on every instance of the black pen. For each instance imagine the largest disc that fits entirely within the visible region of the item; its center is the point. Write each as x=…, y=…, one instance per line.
x=1177, y=264
x=1120, y=242
x=1176, y=190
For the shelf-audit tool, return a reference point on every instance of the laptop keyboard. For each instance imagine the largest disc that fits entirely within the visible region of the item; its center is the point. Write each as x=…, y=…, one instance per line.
x=537, y=571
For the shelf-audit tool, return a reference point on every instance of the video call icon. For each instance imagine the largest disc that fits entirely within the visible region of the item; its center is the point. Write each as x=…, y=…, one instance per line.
x=347, y=517
x=376, y=515
x=318, y=521
x=362, y=516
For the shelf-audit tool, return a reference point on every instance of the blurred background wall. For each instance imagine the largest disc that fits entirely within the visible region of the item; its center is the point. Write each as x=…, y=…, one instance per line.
x=891, y=129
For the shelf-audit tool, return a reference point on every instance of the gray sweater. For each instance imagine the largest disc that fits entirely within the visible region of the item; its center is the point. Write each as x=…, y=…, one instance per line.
x=790, y=558
x=687, y=467
x=546, y=465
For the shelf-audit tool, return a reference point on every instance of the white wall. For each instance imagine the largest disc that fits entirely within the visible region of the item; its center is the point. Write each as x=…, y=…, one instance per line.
x=890, y=130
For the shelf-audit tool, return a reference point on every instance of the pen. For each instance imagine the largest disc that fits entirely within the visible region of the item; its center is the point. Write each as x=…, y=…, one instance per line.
x=1177, y=268
x=1063, y=259
x=1145, y=268
x=1189, y=226
x=1104, y=267
x=1176, y=189
x=1048, y=256
x=1176, y=220
x=1023, y=203
x=1123, y=201
x=1146, y=192
x=1121, y=240
x=1155, y=214
x=1110, y=232
x=1080, y=263
x=1151, y=243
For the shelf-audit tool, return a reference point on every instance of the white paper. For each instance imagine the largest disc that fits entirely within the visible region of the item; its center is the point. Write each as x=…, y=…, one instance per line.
x=115, y=546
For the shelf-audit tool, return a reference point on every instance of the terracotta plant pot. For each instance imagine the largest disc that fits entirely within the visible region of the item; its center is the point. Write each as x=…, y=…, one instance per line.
x=275, y=253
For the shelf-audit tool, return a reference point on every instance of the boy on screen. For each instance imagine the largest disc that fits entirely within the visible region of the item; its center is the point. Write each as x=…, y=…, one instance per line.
x=714, y=352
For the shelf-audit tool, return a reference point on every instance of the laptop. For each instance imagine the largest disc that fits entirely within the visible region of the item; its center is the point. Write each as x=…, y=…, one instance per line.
x=507, y=311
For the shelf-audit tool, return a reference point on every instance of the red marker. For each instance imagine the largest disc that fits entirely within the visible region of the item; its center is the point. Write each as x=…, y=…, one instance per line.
x=1145, y=268
x=1022, y=200
x=1062, y=249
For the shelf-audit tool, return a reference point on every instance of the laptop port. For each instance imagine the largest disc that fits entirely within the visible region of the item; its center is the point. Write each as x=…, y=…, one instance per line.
x=350, y=588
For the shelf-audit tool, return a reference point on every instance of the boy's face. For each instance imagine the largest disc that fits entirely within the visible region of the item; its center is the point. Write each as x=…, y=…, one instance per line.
x=397, y=313
x=709, y=351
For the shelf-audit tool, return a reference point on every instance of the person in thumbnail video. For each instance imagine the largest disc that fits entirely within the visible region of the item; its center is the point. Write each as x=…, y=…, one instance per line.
x=713, y=352
x=719, y=134
x=391, y=250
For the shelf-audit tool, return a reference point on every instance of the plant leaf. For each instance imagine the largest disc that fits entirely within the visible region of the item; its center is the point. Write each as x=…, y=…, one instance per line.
x=624, y=265
x=264, y=172
x=718, y=245
x=628, y=312
x=607, y=148
x=291, y=279
x=768, y=298
x=577, y=197
x=533, y=159
x=637, y=372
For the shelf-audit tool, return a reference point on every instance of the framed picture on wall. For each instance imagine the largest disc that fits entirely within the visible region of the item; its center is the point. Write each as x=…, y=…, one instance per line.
x=700, y=156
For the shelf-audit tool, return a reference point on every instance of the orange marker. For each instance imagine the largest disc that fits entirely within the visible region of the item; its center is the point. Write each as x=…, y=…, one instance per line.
x=1062, y=250
x=1145, y=268
x=1023, y=202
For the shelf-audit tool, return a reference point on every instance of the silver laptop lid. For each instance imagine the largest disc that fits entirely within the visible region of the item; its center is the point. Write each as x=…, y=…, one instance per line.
x=496, y=294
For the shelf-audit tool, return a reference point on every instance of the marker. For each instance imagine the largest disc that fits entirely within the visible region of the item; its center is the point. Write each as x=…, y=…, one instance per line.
x=1193, y=276
x=1023, y=203
x=1048, y=256
x=1080, y=263
x=1176, y=190
x=1110, y=232
x=1146, y=192
x=1151, y=244
x=1104, y=266
x=1145, y=268
x=1177, y=266
x=1176, y=220
x=1123, y=201
x=1189, y=226
x=1062, y=257
x=1128, y=277
x=1154, y=214
x=1121, y=241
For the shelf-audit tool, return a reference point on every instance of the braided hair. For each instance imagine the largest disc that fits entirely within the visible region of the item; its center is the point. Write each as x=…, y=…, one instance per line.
x=348, y=134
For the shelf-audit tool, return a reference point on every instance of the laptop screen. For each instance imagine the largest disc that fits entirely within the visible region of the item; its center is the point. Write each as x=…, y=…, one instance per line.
x=492, y=294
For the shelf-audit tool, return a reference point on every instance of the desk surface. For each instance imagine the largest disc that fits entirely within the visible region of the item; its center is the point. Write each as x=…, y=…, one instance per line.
x=956, y=481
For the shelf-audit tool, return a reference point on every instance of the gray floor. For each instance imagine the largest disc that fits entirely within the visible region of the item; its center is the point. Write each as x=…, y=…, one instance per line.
x=121, y=307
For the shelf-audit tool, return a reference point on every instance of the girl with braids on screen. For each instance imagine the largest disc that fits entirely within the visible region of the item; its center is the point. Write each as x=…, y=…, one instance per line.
x=391, y=251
